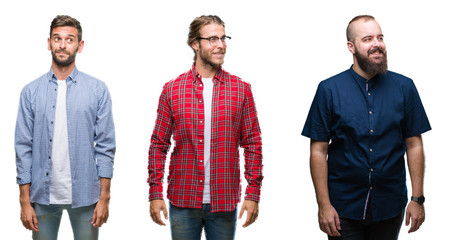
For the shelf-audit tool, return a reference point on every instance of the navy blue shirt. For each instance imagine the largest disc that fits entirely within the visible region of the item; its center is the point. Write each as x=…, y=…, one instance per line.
x=366, y=123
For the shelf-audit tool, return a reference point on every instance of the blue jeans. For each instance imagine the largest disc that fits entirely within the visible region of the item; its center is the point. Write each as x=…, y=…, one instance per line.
x=49, y=218
x=188, y=223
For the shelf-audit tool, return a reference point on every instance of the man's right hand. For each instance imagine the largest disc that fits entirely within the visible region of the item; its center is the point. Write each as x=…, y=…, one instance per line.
x=155, y=206
x=28, y=217
x=329, y=221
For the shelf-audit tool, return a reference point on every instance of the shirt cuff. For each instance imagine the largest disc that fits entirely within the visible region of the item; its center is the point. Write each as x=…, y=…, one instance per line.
x=23, y=178
x=155, y=192
x=253, y=194
x=105, y=172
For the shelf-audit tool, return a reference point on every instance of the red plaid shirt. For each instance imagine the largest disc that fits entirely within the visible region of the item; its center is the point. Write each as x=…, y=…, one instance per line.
x=234, y=123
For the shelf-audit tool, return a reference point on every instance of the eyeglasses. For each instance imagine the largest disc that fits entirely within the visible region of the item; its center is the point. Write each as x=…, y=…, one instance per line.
x=214, y=40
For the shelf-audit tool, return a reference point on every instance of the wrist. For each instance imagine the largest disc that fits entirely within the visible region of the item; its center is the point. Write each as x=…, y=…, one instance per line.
x=418, y=199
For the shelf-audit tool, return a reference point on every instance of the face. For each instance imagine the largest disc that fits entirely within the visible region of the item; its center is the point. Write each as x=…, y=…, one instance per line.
x=368, y=47
x=64, y=45
x=208, y=54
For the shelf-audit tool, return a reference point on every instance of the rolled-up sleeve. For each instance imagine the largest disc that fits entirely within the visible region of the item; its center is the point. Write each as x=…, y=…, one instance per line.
x=251, y=142
x=104, y=134
x=24, y=139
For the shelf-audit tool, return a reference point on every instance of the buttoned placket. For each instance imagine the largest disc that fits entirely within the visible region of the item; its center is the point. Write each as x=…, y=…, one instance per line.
x=369, y=96
x=199, y=123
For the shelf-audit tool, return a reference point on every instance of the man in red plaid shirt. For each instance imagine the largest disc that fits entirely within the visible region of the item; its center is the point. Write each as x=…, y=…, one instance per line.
x=209, y=113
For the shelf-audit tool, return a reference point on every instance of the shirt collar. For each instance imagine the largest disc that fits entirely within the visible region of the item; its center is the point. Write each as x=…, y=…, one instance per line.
x=72, y=77
x=219, y=76
x=363, y=81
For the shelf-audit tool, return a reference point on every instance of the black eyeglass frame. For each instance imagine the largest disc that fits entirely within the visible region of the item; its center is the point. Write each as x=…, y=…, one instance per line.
x=215, y=39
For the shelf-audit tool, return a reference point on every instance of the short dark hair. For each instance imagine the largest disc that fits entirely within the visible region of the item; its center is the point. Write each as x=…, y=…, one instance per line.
x=66, y=21
x=356, y=18
x=197, y=24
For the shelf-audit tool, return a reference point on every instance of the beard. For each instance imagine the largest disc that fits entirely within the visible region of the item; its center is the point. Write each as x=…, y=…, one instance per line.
x=62, y=62
x=370, y=66
x=205, y=57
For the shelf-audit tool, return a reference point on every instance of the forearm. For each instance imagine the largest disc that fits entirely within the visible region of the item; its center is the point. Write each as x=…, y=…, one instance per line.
x=105, y=190
x=318, y=169
x=24, y=197
x=416, y=164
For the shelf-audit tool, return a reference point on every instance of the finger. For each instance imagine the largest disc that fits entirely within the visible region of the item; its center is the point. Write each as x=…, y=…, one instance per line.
x=408, y=218
x=93, y=218
x=157, y=219
x=248, y=220
x=337, y=223
x=35, y=223
x=165, y=212
x=333, y=230
x=242, y=211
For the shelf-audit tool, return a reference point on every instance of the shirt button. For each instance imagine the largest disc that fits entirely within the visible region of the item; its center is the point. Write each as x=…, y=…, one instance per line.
x=201, y=85
x=201, y=121
x=372, y=170
x=371, y=188
x=201, y=140
x=371, y=131
x=370, y=112
x=371, y=149
x=201, y=180
x=369, y=94
x=200, y=101
x=51, y=140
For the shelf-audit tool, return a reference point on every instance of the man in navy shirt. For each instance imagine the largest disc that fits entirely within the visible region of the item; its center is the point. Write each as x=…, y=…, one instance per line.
x=363, y=121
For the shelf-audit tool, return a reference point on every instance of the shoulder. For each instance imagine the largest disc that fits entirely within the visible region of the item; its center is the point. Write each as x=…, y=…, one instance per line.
x=233, y=80
x=90, y=80
x=34, y=85
x=336, y=79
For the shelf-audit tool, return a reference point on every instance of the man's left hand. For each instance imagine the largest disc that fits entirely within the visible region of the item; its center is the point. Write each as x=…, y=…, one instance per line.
x=252, y=212
x=415, y=215
x=100, y=214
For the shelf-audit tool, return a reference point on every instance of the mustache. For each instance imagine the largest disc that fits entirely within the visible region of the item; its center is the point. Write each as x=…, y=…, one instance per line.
x=62, y=51
x=374, y=50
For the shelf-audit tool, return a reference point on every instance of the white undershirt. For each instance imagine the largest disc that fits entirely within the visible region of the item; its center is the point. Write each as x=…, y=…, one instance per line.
x=208, y=86
x=60, y=178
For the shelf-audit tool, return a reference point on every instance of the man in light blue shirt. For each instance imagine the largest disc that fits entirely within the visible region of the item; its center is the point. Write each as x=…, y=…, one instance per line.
x=65, y=142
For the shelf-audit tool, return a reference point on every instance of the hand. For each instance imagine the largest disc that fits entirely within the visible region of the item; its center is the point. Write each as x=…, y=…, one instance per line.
x=28, y=217
x=252, y=212
x=329, y=221
x=415, y=214
x=155, y=206
x=100, y=214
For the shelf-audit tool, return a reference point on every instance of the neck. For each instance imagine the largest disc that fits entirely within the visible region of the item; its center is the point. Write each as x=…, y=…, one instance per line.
x=206, y=70
x=62, y=72
x=362, y=73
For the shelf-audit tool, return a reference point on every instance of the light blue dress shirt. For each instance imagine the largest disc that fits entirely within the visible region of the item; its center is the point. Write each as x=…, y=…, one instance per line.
x=91, y=136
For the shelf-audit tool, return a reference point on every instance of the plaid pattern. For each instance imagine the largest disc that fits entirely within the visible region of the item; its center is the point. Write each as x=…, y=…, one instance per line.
x=234, y=123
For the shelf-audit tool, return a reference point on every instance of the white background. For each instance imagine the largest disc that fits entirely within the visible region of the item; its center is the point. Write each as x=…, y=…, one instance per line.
x=283, y=48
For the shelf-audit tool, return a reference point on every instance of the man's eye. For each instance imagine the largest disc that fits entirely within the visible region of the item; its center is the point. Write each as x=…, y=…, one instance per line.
x=213, y=39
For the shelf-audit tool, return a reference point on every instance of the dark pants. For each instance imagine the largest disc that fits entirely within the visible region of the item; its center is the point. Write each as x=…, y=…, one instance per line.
x=369, y=230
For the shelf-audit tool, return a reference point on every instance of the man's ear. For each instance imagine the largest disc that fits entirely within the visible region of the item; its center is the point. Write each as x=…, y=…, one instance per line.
x=81, y=44
x=351, y=47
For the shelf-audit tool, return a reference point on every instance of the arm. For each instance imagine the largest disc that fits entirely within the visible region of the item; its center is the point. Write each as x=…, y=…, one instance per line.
x=160, y=144
x=104, y=135
x=101, y=211
x=251, y=142
x=329, y=221
x=415, y=212
x=27, y=213
x=23, y=144
x=104, y=151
